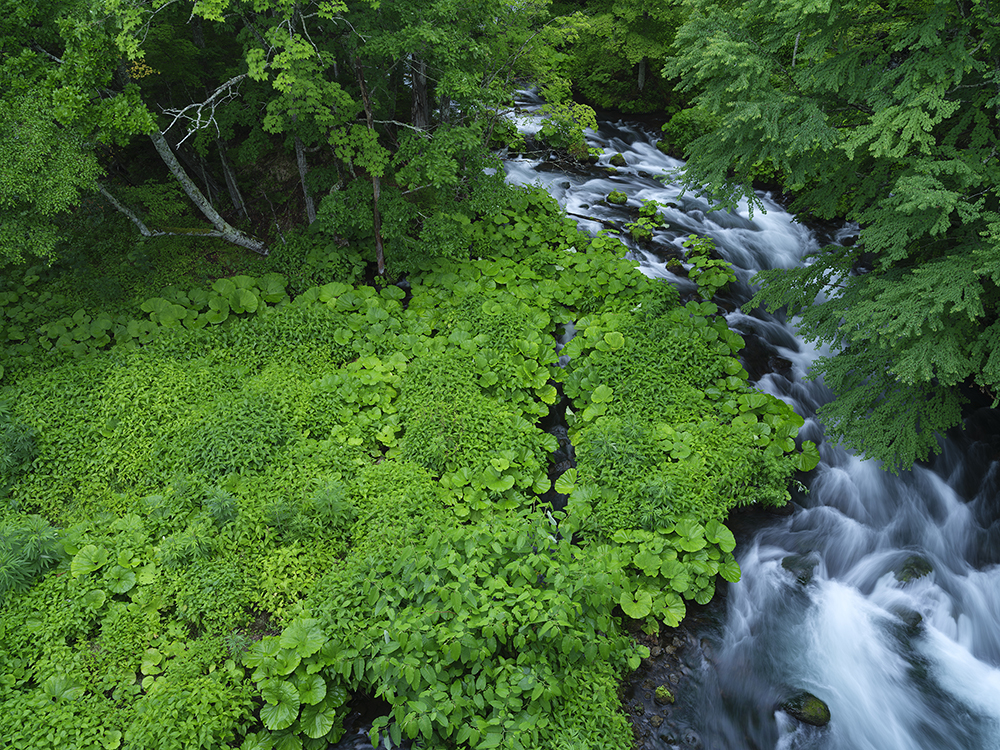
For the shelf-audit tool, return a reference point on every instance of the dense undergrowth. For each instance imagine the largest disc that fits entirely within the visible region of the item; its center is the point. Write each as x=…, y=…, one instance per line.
x=229, y=506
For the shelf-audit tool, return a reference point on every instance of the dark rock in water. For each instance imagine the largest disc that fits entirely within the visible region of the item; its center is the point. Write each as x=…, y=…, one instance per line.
x=663, y=696
x=801, y=567
x=808, y=709
x=912, y=568
x=757, y=355
x=911, y=618
x=618, y=161
x=647, y=175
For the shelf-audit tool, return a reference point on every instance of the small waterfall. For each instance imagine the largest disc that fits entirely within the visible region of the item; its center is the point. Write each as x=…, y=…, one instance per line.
x=880, y=594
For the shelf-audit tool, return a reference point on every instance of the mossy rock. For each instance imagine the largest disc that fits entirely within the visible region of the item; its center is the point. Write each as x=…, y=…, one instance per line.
x=663, y=148
x=913, y=567
x=617, y=198
x=618, y=161
x=663, y=696
x=808, y=709
x=641, y=233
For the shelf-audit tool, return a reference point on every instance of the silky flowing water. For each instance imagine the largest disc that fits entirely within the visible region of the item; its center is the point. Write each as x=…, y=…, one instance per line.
x=879, y=594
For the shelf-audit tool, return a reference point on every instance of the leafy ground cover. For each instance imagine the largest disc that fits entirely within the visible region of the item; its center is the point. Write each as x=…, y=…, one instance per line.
x=235, y=504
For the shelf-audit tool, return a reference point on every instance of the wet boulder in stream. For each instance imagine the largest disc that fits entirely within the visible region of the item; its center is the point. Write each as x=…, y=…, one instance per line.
x=913, y=567
x=807, y=708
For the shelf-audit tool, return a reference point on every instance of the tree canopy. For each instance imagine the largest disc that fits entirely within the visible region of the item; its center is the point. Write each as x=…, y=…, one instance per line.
x=884, y=113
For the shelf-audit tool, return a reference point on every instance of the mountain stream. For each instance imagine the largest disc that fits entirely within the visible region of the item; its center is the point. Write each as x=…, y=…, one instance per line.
x=879, y=594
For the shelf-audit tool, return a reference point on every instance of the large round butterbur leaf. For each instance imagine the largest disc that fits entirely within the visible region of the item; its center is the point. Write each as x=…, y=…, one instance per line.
x=317, y=721
x=152, y=662
x=224, y=287
x=218, y=309
x=243, y=300
x=272, y=287
x=566, y=482
x=614, y=340
x=303, y=635
x=638, y=605
x=289, y=741
x=62, y=688
x=282, y=704
x=244, y=282
x=88, y=559
x=718, y=534
x=120, y=579
x=497, y=482
x=312, y=689
x=672, y=610
x=809, y=458
x=602, y=394
x=286, y=661
x=730, y=570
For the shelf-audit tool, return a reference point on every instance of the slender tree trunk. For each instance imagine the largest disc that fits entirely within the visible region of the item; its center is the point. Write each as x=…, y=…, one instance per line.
x=444, y=105
x=376, y=186
x=642, y=73
x=234, y=189
x=225, y=230
x=143, y=229
x=146, y=231
x=300, y=157
x=420, y=112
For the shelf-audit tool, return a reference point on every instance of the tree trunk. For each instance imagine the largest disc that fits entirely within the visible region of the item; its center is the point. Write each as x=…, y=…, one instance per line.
x=444, y=105
x=420, y=112
x=376, y=186
x=642, y=73
x=234, y=189
x=300, y=157
x=225, y=230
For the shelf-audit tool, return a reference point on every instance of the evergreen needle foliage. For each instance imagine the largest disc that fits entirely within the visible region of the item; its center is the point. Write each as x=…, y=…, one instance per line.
x=884, y=114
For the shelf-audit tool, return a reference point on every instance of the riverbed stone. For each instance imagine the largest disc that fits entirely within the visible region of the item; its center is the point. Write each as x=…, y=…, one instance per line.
x=913, y=567
x=799, y=566
x=808, y=709
x=663, y=696
x=617, y=198
x=618, y=160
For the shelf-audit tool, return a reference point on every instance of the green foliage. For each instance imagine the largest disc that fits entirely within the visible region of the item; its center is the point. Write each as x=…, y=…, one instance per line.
x=615, y=61
x=28, y=548
x=476, y=635
x=878, y=117
x=660, y=452
x=710, y=274
x=334, y=493
x=203, y=711
x=17, y=447
x=686, y=126
x=564, y=125
x=649, y=219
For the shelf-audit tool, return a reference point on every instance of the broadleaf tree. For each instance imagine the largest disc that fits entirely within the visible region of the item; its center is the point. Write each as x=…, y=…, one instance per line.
x=883, y=113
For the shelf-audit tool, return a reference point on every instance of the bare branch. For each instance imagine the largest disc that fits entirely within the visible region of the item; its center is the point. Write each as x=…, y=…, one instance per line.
x=196, y=114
